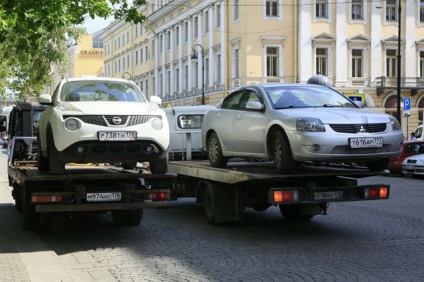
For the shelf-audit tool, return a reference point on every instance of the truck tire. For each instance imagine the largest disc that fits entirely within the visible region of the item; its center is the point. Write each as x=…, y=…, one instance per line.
x=378, y=165
x=127, y=217
x=293, y=212
x=42, y=162
x=30, y=217
x=209, y=205
x=159, y=167
x=281, y=153
x=215, y=157
x=55, y=165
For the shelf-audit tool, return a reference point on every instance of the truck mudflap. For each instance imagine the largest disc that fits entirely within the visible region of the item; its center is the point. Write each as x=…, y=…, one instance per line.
x=298, y=195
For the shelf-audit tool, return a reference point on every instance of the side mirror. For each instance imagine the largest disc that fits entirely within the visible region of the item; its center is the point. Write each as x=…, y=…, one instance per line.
x=155, y=100
x=254, y=106
x=359, y=104
x=44, y=99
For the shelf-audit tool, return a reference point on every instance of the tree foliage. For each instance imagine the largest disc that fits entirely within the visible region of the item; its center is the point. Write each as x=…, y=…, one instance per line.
x=33, y=36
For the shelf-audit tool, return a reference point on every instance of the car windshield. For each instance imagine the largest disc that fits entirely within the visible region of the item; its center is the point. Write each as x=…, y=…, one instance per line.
x=284, y=97
x=95, y=90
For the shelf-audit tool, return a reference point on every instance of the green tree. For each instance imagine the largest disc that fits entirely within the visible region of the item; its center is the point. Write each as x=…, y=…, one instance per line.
x=33, y=36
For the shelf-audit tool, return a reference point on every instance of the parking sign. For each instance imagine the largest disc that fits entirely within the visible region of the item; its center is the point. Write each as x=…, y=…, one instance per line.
x=407, y=106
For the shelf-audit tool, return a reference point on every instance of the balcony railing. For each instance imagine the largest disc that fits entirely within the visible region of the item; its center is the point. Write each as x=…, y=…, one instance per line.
x=390, y=83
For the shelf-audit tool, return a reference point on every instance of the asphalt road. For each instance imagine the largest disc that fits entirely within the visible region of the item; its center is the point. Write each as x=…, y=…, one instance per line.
x=358, y=241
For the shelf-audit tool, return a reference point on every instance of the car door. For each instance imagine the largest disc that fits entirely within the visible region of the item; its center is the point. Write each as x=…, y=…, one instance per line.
x=225, y=124
x=250, y=125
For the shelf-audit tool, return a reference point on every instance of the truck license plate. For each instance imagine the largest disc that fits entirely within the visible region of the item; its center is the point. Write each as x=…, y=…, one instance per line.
x=366, y=142
x=328, y=195
x=117, y=135
x=103, y=197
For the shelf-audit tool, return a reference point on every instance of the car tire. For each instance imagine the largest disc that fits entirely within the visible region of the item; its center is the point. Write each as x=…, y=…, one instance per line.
x=42, y=162
x=281, y=154
x=215, y=157
x=56, y=166
x=377, y=165
x=159, y=167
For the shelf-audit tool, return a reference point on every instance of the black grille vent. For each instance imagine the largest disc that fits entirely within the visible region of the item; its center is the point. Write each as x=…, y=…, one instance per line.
x=116, y=120
x=358, y=128
x=104, y=120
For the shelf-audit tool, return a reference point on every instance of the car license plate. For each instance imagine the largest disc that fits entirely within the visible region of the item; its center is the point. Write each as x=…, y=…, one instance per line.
x=410, y=167
x=328, y=195
x=117, y=135
x=366, y=142
x=103, y=197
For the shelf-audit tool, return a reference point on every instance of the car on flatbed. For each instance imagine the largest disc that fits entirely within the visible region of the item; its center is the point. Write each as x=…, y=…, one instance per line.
x=293, y=123
x=101, y=120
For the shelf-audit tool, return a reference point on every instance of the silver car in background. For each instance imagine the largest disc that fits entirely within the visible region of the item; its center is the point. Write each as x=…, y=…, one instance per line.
x=294, y=123
x=413, y=165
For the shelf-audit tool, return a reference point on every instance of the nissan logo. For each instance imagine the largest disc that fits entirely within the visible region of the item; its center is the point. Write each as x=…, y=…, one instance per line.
x=116, y=120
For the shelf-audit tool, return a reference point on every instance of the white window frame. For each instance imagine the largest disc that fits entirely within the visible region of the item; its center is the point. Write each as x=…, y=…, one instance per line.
x=363, y=58
x=279, y=16
x=363, y=12
x=386, y=6
x=394, y=58
x=420, y=12
x=236, y=11
x=321, y=3
x=329, y=59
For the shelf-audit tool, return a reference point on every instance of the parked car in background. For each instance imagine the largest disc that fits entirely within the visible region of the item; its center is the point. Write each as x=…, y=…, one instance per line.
x=419, y=132
x=185, y=126
x=413, y=166
x=294, y=123
x=101, y=120
x=409, y=148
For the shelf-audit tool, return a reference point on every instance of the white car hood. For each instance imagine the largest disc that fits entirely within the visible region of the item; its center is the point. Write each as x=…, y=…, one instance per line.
x=419, y=157
x=108, y=108
x=338, y=115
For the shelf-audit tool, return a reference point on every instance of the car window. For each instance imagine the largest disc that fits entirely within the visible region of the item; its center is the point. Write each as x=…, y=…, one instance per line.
x=306, y=96
x=249, y=96
x=86, y=90
x=232, y=101
x=190, y=121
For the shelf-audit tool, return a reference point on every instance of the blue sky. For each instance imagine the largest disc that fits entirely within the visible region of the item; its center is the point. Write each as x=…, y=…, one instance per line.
x=93, y=25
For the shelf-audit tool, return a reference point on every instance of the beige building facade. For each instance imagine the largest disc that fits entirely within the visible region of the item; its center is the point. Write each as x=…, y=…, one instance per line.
x=83, y=59
x=354, y=43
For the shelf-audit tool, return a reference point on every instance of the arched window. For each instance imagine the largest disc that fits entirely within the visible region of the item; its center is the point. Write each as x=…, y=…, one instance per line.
x=421, y=110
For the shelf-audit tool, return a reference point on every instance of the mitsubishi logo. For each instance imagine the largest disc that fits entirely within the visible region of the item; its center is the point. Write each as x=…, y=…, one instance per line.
x=116, y=120
x=362, y=129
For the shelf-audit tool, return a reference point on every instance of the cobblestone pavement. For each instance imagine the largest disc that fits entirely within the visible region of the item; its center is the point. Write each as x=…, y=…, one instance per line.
x=358, y=241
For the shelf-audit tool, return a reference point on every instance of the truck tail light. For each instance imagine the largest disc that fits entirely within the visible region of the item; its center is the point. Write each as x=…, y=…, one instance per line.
x=285, y=196
x=376, y=193
x=45, y=199
x=158, y=196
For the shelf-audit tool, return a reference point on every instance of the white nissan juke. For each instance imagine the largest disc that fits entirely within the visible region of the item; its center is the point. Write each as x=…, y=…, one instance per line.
x=101, y=120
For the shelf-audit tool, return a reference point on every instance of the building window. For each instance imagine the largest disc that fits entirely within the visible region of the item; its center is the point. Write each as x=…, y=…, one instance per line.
x=168, y=82
x=123, y=63
x=196, y=27
x=206, y=25
x=236, y=10
x=206, y=71
x=128, y=61
x=146, y=53
x=391, y=14
x=218, y=68
x=272, y=61
x=218, y=16
x=272, y=8
x=141, y=86
x=357, y=59
x=391, y=63
x=236, y=63
x=136, y=57
x=185, y=31
x=186, y=77
x=321, y=9
x=177, y=36
x=421, y=63
x=421, y=11
x=357, y=13
x=146, y=84
x=177, y=80
x=168, y=40
x=128, y=36
x=321, y=61
x=141, y=54
x=161, y=43
x=195, y=75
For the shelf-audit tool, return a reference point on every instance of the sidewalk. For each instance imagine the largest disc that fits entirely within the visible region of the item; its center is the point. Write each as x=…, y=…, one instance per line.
x=24, y=256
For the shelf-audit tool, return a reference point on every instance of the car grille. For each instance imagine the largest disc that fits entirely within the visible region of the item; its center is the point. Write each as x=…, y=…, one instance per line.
x=411, y=161
x=107, y=120
x=359, y=128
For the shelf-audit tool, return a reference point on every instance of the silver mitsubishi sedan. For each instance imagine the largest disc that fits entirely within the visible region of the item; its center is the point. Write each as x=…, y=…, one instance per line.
x=293, y=123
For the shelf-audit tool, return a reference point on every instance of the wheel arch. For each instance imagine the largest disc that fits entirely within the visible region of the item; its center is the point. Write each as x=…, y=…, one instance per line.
x=269, y=137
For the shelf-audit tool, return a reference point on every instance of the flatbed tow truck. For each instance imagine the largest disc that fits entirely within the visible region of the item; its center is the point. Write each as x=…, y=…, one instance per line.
x=225, y=193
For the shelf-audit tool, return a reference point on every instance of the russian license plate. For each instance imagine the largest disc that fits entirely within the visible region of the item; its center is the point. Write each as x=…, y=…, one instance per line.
x=103, y=197
x=366, y=142
x=117, y=135
x=328, y=195
x=409, y=167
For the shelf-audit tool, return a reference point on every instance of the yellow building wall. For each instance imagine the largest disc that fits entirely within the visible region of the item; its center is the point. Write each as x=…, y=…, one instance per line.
x=88, y=61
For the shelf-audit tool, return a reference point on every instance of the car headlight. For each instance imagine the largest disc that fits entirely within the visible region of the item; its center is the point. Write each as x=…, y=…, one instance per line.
x=394, y=123
x=157, y=124
x=420, y=162
x=309, y=124
x=72, y=124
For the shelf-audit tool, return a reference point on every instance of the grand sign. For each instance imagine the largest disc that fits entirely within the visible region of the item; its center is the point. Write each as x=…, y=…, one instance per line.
x=91, y=53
